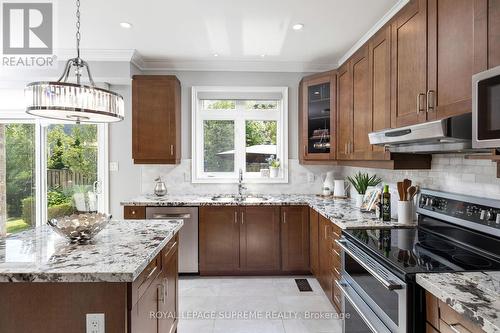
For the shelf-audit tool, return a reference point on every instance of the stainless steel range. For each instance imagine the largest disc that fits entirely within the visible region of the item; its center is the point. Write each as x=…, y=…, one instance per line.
x=455, y=233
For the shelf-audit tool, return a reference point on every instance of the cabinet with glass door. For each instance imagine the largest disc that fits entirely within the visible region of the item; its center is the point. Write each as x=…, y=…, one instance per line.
x=317, y=118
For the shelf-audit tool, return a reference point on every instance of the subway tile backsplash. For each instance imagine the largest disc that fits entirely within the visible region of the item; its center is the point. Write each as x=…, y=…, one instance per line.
x=451, y=173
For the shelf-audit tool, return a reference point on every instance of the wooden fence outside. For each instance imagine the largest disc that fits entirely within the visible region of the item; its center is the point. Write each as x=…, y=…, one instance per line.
x=66, y=178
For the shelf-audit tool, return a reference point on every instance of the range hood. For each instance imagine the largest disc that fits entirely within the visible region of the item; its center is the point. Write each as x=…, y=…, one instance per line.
x=450, y=135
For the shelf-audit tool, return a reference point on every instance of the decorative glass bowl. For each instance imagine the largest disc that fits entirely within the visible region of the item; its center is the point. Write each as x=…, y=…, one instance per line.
x=80, y=228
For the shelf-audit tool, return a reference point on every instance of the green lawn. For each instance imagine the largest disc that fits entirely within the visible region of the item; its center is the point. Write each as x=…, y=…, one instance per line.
x=16, y=225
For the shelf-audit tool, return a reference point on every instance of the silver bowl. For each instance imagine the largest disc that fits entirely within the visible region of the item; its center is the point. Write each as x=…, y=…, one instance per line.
x=80, y=228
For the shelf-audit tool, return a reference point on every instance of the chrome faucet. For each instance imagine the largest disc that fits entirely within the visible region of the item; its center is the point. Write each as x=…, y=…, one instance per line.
x=241, y=188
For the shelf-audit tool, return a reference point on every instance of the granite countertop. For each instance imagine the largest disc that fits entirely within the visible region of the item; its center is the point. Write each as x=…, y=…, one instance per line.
x=342, y=212
x=119, y=253
x=475, y=295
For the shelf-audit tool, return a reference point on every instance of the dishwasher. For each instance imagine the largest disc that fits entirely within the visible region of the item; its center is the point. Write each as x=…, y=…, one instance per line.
x=188, y=235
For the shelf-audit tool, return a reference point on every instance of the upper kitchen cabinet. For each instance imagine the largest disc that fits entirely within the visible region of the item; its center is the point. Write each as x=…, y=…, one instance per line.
x=487, y=18
x=379, y=55
x=344, y=112
x=156, y=119
x=317, y=118
x=457, y=49
x=409, y=65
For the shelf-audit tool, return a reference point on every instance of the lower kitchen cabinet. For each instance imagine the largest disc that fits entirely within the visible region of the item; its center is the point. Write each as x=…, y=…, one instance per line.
x=295, y=239
x=219, y=239
x=259, y=239
x=314, y=241
x=254, y=240
x=441, y=318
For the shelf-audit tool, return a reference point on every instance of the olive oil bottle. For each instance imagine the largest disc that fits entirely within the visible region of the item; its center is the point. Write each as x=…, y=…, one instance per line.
x=386, y=204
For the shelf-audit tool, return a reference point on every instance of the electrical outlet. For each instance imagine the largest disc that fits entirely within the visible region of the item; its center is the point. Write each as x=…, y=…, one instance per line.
x=113, y=166
x=95, y=323
x=311, y=177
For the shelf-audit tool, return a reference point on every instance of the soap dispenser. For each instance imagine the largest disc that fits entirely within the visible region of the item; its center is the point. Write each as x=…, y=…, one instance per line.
x=160, y=188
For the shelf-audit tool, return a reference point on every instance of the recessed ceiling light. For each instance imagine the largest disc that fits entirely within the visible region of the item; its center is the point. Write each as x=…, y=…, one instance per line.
x=125, y=25
x=262, y=55
x=216, y=54
x=298, y=26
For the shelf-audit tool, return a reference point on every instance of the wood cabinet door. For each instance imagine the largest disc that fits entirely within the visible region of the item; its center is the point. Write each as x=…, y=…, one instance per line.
x=361, y=111
x=140, y=313
x=155, y=119
x=295, y=238
x=380, y=85
x=314, y=241
x=169, y=297
x=409, y=62
x=260, y=238
x=219, y=239
x=311, y=116
x=325, y=258
x=493, y=27
x=344, y=112
x=455, y=52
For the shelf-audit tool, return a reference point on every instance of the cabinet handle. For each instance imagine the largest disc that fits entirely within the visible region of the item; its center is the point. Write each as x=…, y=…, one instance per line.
x=336, y=253
x=430, y=101
x=284, y=217
x=350, y=147
x=345, y=148
x=458, y=328
x=326, y=232
x=132, y=212
x=171, y=149
x=419, y=105
x=162, y=296
x=336, y=271
x=235, y=217
x=305, y=150
x=242, y=217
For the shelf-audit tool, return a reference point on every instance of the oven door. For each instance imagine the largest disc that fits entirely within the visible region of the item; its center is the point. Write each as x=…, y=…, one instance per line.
x=485, y=109
x=373, y=291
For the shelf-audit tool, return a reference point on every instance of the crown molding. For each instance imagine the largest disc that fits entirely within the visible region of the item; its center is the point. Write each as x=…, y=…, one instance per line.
x=380, y=23
x=97, y=54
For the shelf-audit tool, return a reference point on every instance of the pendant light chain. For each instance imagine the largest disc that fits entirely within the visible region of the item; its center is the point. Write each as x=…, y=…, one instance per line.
x=78, y=35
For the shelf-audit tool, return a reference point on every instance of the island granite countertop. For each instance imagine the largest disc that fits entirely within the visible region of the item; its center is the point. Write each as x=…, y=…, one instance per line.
x=119, y=253
x=342, y=212
x=475, y=295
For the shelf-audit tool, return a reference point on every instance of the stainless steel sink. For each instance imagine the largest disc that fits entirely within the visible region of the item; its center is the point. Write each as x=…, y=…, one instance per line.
x=221, y=198
x=255, y=199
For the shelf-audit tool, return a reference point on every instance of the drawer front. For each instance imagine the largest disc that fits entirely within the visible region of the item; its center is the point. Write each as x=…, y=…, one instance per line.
x=144, y=280
x=134, y=212
x=337, y=296
x=451, y=321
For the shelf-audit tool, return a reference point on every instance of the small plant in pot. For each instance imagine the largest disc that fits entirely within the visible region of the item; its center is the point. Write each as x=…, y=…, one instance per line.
x=361, y=182
x=274, y=166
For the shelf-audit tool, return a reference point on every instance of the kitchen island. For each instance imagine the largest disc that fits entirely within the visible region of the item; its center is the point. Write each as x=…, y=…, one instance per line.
x=126, y=273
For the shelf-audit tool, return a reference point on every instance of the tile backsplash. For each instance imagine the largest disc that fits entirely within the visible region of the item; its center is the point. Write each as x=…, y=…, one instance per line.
x=451, y=173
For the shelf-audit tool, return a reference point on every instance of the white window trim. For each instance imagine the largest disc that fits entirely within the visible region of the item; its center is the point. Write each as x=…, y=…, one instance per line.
x=197, y=117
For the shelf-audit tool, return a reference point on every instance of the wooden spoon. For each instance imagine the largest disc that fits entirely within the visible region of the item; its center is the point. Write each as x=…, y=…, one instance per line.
x=412, y=190
x=401, y=191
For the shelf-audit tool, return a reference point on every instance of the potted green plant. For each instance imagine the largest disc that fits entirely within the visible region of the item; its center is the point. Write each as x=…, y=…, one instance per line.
x=361, y=182
x=274, y=166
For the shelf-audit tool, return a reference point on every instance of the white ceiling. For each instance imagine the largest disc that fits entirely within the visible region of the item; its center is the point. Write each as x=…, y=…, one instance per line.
x=187, y=33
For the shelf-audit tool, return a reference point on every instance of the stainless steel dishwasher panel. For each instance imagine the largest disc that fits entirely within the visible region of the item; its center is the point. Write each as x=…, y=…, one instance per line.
x=188, y=235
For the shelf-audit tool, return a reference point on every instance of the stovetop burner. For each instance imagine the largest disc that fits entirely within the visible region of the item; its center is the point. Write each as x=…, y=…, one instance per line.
x=473, y=261
x=437, y=245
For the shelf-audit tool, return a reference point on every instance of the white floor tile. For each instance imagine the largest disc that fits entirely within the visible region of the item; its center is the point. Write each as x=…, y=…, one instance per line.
x=313, y=326
x=195, y=326
x=248, y=326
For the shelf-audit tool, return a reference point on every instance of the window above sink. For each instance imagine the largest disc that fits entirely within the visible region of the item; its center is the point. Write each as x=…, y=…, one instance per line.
x=237, y=128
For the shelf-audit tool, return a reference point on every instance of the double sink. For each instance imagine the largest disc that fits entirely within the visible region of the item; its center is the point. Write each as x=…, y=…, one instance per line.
x=237, y=198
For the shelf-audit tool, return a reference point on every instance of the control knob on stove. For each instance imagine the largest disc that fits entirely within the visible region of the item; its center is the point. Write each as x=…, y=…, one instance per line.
x=490, y=215
x=483, y=214
x=498, y=218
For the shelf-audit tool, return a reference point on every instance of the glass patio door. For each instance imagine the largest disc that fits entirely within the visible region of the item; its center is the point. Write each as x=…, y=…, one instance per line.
x=75, y=160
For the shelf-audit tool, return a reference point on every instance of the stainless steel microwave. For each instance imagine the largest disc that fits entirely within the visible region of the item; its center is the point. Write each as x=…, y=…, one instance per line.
x=486, y=109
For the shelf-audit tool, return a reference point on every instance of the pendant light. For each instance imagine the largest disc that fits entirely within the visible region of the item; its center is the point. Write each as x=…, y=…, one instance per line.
x=74, y=101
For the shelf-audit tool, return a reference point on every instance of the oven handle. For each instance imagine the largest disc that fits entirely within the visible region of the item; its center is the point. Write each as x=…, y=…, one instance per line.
x=390, y=285
x=367, y=321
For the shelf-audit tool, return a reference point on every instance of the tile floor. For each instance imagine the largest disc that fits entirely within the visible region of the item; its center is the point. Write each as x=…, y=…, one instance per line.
x=253, y=305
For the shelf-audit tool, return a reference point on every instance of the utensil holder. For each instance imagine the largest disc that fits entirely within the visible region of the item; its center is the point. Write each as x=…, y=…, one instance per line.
x=405, y=212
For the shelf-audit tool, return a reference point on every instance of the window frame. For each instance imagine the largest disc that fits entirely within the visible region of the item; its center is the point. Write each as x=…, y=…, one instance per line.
x=41, y=126
x=198, y=116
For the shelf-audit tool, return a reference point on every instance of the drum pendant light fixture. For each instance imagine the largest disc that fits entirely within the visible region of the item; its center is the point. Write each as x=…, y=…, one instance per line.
x=74, y=101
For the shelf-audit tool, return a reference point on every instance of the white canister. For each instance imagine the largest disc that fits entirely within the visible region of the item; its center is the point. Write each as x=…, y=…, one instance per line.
x=274, y=172
x=359, y=200
x=405, y=212
x=340, y=188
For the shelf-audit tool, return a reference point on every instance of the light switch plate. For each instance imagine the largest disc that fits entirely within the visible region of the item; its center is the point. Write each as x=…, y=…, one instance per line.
x=311, y=177
x=113, y=166
x=95, y=323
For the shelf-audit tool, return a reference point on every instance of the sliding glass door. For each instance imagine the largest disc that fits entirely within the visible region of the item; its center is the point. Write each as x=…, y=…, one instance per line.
x=49, y=170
